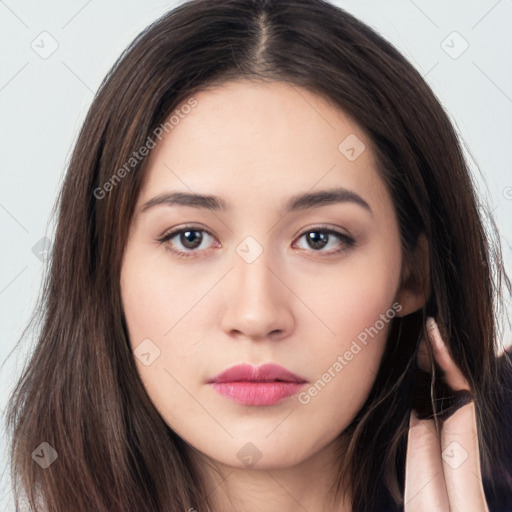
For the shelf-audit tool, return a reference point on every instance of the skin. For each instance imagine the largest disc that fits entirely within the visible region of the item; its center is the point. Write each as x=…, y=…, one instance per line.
x=443, y=466
x=255, y=145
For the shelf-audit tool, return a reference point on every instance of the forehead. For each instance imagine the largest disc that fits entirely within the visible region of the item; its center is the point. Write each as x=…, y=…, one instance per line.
x=281, y=115
x=263, y=140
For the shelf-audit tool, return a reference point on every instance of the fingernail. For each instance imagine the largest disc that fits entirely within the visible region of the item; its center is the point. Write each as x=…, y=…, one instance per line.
x=413, y=419
x=435, y=335
x=430, y=323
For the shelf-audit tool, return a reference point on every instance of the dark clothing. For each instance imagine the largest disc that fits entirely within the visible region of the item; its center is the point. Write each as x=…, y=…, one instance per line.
x=502, y=501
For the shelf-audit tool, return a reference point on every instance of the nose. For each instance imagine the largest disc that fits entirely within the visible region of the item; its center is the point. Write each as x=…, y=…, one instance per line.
x=258, y=302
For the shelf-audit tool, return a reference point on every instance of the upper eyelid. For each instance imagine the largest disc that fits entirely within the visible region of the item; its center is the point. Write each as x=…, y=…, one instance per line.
x=325, y=229
x=177, y=231
x=173, y=232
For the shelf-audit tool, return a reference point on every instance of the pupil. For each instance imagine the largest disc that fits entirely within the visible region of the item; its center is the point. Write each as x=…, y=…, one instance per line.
x=317, y=239
x=190, y=244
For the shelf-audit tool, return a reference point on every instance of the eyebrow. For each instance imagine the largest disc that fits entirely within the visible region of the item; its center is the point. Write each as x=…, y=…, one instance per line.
x=295, y=203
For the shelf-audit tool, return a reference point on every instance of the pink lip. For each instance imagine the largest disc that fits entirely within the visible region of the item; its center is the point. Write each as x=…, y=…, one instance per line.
x=263, y=385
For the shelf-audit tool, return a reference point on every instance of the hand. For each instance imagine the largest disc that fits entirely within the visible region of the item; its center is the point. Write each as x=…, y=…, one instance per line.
x=443, y=469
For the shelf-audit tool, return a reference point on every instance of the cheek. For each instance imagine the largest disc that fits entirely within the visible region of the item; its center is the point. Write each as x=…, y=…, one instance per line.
x=356, y=309
x=351, y=297
x=153, y=304
x=154, y=300
x=162, y=307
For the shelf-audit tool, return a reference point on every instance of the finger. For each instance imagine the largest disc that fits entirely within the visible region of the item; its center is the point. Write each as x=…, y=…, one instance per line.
x=424, y=356
x=459, y=438
x=454, y=377
x=425, y=488
x=461, y=461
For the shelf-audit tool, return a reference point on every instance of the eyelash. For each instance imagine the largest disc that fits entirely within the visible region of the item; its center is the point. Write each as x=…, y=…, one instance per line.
x=348, y=241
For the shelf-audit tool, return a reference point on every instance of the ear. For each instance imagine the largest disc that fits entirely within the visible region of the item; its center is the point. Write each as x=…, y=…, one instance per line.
x=415, y=285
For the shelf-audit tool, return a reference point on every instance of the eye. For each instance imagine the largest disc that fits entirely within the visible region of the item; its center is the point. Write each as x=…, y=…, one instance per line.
x=321, y=237
x=189, y=238
x=188, y=241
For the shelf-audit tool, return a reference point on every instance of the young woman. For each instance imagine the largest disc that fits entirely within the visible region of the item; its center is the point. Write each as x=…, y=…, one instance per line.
x=270, y=286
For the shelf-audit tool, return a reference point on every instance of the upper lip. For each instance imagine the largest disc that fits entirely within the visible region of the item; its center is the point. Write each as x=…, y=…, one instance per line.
x=265, y=373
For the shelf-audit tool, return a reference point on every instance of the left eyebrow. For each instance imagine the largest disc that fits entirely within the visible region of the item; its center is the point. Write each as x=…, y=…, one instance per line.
x=302, y=201
x=325, y=197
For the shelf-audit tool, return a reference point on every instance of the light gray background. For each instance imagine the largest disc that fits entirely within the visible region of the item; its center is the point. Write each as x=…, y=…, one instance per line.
x=43, y=102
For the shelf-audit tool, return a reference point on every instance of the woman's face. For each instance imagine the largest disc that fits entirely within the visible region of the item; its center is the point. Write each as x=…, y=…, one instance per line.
x=259, y=274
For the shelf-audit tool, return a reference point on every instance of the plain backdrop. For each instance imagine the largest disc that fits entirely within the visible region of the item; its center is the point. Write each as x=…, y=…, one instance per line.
x=55, y=54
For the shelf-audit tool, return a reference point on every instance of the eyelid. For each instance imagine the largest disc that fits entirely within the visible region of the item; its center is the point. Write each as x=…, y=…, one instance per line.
x=169, y=234
x=178, y=230
x=347, y=240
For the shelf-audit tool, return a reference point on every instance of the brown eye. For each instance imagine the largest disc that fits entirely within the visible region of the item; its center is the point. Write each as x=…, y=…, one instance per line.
x=190, y=239
x=186, y=241
x=319, y=238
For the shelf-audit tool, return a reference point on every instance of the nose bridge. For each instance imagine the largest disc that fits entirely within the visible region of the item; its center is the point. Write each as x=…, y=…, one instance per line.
x=256, y=304
x=255, y=283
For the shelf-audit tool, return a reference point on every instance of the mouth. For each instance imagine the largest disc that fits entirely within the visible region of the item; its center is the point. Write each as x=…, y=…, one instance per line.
x=268, y=384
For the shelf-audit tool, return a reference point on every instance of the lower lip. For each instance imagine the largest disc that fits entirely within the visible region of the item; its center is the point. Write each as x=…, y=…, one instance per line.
x=257, y=393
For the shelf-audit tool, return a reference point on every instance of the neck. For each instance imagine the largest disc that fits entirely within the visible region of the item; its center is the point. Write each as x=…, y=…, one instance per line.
x=305, y=486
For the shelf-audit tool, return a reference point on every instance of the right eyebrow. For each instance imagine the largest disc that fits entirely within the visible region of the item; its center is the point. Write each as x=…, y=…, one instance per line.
x=186, y=199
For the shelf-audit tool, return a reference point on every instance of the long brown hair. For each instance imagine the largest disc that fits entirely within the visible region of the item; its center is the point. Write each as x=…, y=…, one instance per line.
x=81, y=393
